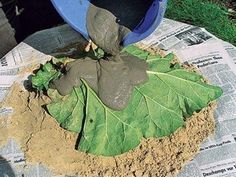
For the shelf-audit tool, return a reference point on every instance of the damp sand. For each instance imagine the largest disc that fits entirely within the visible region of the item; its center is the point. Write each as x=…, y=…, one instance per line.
x=43, y=141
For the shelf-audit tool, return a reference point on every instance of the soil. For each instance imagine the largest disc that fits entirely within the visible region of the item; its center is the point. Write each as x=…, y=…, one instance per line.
x=3, y=131
x=43, y=141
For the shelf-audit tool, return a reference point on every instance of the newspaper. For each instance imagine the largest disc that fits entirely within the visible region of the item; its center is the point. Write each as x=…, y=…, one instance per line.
x=217, y=155
x=215, y=58
x=176, y=35
x=231, y=50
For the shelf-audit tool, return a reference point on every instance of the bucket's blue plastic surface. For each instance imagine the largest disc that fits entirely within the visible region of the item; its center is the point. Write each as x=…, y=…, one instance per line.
x=74, y=12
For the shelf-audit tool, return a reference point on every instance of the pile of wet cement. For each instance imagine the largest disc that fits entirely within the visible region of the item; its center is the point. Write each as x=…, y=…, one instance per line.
x=112, y=80
x=114, y=76
x=109, y=22
x=44, y=141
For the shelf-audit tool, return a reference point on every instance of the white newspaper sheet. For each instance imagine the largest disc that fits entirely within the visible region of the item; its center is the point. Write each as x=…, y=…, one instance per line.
x=172, y=34
x=216, y=60
x=217, y=155
x=231, y=50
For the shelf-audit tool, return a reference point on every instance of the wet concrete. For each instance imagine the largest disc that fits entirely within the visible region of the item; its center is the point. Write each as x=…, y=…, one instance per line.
x=113, y=78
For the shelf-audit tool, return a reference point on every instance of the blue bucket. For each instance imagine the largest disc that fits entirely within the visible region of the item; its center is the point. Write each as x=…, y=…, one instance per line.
x=74, y=12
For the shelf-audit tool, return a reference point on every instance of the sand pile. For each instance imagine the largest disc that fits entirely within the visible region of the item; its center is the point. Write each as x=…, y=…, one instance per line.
x=44, y=141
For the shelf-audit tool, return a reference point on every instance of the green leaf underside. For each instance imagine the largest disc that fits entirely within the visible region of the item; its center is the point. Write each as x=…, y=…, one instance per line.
x=156, y=108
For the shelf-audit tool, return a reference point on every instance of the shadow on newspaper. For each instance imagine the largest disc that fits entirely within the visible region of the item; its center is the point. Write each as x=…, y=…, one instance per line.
x=56, y=41
x=5, y=168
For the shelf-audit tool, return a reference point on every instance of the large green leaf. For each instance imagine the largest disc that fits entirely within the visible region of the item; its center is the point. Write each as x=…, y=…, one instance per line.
x=108, y=132
x=156, y=109
x=68, y=110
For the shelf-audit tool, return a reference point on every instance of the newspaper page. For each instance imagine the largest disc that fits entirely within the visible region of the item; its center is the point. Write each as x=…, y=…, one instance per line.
x=172, y=34
x=231, y=50
x=213, y=57
x=217, y=155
